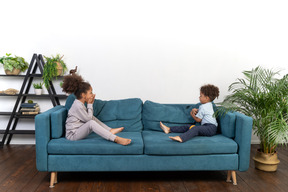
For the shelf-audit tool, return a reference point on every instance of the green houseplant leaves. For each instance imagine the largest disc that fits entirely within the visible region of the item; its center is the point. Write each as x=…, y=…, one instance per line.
x=263, y=97
x=14, y=62
x=50, y=68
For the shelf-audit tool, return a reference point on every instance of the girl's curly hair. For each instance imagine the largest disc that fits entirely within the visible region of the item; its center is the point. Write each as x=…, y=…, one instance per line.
x=210, y=91
x=75, y=84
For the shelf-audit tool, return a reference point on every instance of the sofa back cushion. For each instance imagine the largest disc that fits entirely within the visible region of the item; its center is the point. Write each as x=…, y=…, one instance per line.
x=227, y=124
x=179, y=114
x=169, y=114
x=116, y=113
x=58, y=119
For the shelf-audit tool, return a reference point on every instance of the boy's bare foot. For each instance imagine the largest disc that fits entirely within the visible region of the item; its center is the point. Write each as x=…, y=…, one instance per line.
x=116, y=130
x=122, y=141
x=176, y=138
x=164, y=128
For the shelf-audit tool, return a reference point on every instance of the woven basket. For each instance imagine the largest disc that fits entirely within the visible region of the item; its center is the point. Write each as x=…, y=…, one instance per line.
x=266, y=162
x=59, y=69
x=13, y=72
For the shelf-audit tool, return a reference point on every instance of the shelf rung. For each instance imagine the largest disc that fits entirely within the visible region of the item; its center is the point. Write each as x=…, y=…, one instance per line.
x=18, y=132
x=46, y=95
x=19, y=115
x=29, y=75
x=43, y=95
x=5, y=113
x=26, y=116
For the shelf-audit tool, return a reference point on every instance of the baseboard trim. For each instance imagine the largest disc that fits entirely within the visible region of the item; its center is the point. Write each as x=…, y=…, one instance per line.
x=255, y=142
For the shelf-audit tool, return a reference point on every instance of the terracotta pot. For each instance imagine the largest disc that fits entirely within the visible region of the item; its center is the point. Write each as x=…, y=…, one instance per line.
x=266, y=162
x=13, y=72
x=59, y=69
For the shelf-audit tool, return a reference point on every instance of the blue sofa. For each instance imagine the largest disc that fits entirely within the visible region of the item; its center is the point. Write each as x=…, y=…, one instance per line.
x=228, y=150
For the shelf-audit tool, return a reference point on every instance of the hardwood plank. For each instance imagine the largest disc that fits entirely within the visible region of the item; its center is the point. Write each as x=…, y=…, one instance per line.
x=14, y=163
x=35, y=181
x=44, y=185
x=7, y=151
x=241, y=186
x=260, y=180
x=68, y=182
x=205, y=181
x=98, y=186
x=21, y=176
x=85, y=186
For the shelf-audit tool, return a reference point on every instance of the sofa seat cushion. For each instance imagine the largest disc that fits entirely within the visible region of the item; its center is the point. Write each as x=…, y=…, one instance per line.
x=94, y=144
x=159, y=143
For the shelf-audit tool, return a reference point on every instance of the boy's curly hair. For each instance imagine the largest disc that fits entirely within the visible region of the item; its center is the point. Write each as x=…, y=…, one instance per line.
x=210, y=91
x=75, y=84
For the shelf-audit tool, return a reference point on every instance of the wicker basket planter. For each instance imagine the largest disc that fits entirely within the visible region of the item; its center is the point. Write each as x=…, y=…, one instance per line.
x=266, y=162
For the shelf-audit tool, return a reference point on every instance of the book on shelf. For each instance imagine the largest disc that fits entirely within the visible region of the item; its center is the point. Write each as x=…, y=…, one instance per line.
x=29, y=105
x=29, y=109
x=30, y=112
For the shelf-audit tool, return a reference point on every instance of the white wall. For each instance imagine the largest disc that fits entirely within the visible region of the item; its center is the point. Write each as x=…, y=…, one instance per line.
x=156, y=50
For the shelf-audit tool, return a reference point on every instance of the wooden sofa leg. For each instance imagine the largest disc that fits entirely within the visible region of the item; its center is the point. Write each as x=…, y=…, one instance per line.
x=56, y=178
x=229, y=177
x=53, y=179
x=233, y=174
x=234, y=177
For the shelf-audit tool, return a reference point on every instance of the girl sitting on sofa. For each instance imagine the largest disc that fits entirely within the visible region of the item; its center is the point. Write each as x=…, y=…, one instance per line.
x=80, y=120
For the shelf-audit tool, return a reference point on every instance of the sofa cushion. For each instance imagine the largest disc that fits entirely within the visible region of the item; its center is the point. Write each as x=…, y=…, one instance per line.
x=159, y=143
x=58, y=119
x=227, y=123
x=116, y=113
x=170, y=114
x=94, y=144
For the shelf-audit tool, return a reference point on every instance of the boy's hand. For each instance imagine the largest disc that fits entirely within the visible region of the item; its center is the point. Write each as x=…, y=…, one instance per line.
x=194, y=111
x=193, y=114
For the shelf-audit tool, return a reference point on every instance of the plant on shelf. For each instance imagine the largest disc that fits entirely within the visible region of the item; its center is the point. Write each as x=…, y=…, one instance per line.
x=38, y=88
x=53, y=67
x=263, y=97
x=37, y=85
x=61, y=84
x=13, y=65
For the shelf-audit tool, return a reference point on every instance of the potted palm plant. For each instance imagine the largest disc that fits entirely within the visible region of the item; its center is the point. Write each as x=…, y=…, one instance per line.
x=13, y=65
x=265, y=98
x=53, y=67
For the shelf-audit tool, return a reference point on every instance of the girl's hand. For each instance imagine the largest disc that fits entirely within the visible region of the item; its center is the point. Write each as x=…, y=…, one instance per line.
x=91, y=100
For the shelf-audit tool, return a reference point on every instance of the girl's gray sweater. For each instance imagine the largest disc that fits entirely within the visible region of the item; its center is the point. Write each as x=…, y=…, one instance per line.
x=78, y=115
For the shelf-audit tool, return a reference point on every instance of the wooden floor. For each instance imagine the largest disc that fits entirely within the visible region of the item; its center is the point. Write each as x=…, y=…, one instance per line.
x=18, y=173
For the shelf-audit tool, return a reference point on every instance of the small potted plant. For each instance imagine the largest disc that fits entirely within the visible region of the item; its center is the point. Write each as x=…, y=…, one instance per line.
x=53, y=67
x=38, y=88
x=13, y=65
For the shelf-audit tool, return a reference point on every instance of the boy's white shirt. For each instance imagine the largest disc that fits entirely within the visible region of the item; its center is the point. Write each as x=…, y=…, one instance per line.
x=205, y=113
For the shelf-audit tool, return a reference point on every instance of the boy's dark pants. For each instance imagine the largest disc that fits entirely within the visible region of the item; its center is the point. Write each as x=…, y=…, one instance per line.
x=202, y=130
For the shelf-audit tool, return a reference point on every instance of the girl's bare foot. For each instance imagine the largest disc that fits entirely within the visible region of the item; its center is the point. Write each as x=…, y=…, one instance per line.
x=164, y=128
x=122, y=141
x=176, y=138
x=116, y=130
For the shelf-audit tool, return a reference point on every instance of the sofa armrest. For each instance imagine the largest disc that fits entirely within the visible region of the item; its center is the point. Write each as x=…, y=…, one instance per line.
x=243, y=138
x=43, y=136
